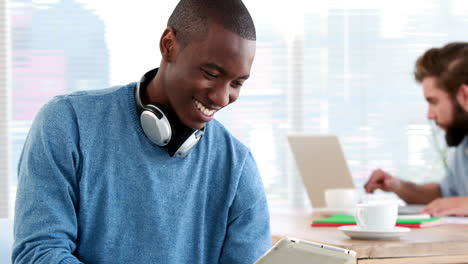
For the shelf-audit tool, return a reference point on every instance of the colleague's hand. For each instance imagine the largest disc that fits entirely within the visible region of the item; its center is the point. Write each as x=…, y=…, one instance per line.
x=380, y=179
x=447, y=206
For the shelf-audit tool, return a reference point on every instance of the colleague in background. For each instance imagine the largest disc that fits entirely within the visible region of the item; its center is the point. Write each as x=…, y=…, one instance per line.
x=443, y=73
x=142, y=173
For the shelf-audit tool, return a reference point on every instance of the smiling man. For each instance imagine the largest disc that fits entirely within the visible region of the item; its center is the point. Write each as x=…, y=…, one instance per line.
x=143, y=173
x=443, y=73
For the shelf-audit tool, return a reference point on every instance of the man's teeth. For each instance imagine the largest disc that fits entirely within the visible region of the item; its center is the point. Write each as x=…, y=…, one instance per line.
x=203, y=109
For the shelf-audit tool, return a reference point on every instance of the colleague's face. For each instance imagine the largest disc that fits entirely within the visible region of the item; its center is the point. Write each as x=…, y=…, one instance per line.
x=207, y=75
x=446, y=112
x=440, y=105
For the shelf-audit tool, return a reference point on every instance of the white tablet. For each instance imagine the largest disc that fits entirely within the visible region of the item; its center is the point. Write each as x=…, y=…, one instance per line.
x=296, y=251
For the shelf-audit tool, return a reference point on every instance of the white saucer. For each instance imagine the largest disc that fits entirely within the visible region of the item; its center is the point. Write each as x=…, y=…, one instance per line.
x=357, y=233
x=333, y=211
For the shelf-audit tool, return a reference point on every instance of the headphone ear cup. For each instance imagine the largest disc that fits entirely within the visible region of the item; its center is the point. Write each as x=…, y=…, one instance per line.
x=182, y=144
x=156, y=125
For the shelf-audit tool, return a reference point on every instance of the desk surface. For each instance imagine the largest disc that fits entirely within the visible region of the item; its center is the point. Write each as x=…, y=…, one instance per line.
x=444, y=240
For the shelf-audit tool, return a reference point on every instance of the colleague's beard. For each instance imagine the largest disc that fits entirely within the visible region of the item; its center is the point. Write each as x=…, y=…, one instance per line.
x=459, y=127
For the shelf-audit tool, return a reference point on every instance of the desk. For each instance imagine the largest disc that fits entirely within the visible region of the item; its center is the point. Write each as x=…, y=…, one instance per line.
x=439, y=244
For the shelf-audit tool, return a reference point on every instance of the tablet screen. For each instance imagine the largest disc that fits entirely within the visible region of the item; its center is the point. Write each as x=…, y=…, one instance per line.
x=296, y=251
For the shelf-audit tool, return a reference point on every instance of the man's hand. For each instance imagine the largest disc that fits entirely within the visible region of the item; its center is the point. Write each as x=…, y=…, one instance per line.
x=380, y=179
x=447, y=206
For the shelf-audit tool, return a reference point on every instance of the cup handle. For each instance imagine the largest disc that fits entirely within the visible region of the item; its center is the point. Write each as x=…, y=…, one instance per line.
x=359, y=216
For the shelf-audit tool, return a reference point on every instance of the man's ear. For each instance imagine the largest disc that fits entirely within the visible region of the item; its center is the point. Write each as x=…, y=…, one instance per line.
x=168, y=45
x=462, y=96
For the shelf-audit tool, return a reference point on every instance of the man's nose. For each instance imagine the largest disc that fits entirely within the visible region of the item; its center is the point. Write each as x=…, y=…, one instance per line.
x=219, y=95
x=430, y=114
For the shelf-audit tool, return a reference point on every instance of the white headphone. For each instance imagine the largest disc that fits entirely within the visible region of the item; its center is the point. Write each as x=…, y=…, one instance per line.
x=161, y=126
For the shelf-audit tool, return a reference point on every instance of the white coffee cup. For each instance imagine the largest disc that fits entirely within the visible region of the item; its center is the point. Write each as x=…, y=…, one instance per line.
x=341, y=198
x=377, y=215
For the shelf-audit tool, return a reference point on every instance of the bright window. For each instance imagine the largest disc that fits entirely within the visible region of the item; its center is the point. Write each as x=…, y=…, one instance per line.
x=338, y=66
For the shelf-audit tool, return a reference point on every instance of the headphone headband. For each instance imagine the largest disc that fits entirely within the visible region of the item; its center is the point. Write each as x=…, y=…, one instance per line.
x=162, y=126
x=144, y=81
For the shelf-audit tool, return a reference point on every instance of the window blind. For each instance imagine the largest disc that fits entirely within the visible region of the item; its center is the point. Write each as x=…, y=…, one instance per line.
x=4, y=113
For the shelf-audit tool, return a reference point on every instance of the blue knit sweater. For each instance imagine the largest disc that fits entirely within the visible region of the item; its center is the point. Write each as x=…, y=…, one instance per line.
x=93, y=189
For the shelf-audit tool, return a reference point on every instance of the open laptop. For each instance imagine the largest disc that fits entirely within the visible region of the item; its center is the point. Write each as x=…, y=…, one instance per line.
x=322, y=165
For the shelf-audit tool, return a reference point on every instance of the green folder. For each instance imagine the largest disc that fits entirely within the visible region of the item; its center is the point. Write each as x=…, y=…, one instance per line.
x=343, y=219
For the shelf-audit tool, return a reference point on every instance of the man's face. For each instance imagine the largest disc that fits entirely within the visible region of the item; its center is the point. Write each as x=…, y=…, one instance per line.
x=446, y=112
x=440, y=105
x=207, y=75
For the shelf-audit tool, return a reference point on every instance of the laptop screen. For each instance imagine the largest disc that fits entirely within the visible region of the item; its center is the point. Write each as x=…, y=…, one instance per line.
x=321, y=164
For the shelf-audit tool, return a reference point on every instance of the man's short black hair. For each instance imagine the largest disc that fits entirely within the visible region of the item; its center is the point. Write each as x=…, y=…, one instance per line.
x=191, y=18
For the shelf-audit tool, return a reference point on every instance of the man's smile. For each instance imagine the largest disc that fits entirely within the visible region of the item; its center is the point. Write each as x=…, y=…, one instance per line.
x=204, y=109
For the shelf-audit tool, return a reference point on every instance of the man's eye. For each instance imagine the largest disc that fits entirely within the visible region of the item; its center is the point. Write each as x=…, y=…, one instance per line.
x=236, y=84
x=209, y=75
